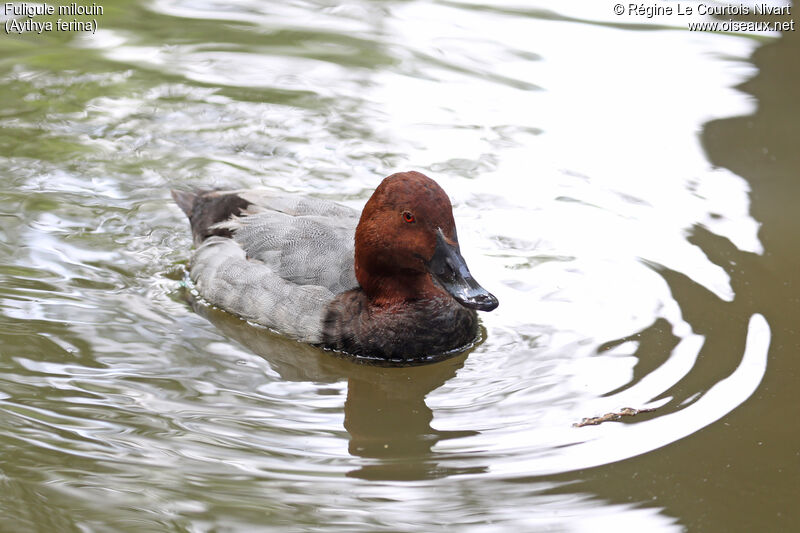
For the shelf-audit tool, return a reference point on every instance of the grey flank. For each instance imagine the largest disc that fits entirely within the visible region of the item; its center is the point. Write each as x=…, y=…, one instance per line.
x=287, y=260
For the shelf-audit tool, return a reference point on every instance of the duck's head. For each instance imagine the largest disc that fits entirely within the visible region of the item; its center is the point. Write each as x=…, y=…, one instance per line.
x=406, y=245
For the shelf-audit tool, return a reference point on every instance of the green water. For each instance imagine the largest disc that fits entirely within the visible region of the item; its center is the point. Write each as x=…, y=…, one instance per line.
x=624, y=186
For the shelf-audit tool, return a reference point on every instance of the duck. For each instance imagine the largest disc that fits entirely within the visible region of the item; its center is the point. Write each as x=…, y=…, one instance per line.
x=387, y=283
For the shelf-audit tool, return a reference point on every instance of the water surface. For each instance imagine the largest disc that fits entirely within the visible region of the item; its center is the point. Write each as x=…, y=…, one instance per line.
x=624, y=186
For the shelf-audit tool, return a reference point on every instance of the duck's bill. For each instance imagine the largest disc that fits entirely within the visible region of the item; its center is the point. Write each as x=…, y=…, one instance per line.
x=450, y=270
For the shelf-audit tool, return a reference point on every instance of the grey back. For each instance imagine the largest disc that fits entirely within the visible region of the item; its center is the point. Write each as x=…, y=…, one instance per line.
x=288, y=258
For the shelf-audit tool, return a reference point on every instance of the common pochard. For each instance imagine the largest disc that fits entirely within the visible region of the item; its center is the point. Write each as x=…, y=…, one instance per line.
x=390, y=284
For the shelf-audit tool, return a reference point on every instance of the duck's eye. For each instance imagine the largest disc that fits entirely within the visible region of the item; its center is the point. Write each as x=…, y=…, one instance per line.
x=408, y=216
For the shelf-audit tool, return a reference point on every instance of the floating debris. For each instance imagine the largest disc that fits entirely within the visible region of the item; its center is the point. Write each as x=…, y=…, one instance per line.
x=614, y=417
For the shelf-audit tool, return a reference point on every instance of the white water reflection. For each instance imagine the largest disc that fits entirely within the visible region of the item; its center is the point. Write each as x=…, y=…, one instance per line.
x=608, y=443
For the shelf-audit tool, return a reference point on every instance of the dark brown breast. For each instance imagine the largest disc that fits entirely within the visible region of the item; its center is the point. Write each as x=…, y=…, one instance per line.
x=407, y=330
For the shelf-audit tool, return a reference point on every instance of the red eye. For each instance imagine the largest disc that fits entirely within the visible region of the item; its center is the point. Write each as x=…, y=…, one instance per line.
x=409, y=217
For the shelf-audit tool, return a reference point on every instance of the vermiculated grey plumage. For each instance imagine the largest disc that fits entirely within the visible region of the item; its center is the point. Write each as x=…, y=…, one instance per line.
x=285, y=261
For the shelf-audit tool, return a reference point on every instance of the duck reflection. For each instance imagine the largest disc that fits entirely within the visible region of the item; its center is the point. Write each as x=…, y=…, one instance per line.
x=388, y=420
x=385, y=412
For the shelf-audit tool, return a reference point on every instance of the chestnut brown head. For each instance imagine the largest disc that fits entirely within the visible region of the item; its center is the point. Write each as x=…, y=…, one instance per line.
x=406, y=238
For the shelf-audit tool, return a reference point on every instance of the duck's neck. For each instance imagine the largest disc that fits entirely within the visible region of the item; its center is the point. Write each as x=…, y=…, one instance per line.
x=400, y=287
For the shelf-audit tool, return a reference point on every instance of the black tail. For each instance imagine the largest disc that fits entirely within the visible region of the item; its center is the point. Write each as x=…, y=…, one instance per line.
x=206, y=208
